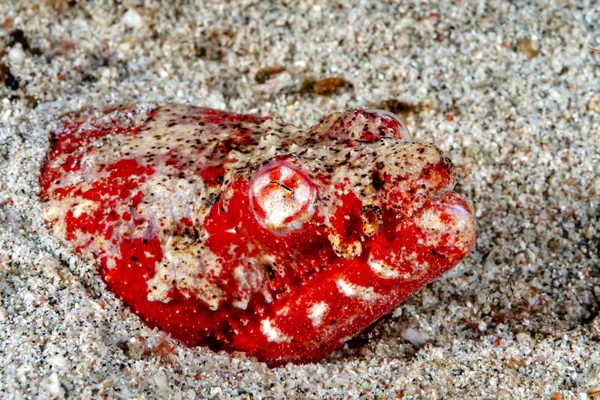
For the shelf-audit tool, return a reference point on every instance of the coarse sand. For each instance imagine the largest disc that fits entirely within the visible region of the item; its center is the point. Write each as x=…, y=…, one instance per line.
x=509, y=91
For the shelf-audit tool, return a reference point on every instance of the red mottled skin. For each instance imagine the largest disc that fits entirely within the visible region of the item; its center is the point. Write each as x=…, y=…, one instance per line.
x=238, y=233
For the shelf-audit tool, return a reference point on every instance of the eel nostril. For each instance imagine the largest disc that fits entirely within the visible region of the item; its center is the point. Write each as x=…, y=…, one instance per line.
x=282, y=197
x=372, y=219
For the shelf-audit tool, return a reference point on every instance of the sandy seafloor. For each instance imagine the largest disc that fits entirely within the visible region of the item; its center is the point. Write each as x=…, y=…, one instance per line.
x=515, y=320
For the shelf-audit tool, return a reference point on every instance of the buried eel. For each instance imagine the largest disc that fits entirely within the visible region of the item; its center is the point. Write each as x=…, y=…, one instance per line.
x=242, y=234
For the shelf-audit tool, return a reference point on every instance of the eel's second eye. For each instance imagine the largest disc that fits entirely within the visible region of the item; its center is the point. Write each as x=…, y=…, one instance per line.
x=392, y=121
x=282, y=197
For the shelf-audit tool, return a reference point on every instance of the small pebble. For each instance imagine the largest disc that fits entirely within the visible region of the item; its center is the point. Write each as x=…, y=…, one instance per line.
x=523, y=337
x=16, y=55
x=593, y=391
x=329, y=86
x=415, y=337
x=264, y=74
x=531, y=47
x=58, y=361
x=132, y=19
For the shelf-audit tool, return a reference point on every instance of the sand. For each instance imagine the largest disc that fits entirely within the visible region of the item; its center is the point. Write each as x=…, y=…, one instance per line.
x=510, y=92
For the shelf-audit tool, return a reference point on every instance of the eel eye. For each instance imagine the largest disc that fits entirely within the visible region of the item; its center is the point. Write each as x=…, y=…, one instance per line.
x=394, y=122
x=282, y=197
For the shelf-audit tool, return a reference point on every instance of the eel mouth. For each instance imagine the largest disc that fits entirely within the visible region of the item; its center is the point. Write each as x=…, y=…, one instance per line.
x=446, y=220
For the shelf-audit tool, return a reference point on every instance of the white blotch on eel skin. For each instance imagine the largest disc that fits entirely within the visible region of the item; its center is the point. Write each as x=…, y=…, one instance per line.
x=316, y=313
x=356, y=291
x=272, y=333
x=382, y=270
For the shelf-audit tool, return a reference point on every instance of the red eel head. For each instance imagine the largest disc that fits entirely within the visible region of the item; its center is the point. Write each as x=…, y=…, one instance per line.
x=239, y=233
x=361, y=181
x=354, y=224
